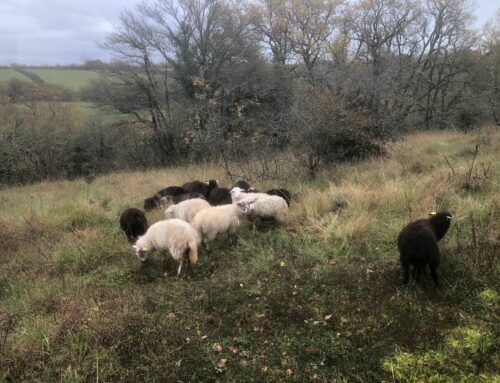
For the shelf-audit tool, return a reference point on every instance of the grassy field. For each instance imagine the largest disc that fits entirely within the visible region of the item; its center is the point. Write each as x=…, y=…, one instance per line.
x=317, y=300
x=68, y=78
x=6, y=74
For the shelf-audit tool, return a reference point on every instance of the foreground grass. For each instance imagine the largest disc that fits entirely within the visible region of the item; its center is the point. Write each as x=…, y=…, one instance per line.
x=317, y=300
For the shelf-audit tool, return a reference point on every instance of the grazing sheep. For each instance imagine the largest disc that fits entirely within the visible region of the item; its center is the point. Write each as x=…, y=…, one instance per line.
x=244, y=185
x=283, y=193
x=219, y=196
x=186, y=210
x=182, y=197
x=200, y=187
x=171, y=191
x=152, y=203
x=133, y=222
x=174, y=235
x=270, y=207
x=418, y=244
x=237, y=195
x=155, y=201
x=218, y=220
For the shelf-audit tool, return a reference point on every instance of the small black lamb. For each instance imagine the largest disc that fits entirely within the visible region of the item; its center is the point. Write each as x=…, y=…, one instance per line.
x=283, y=193
x=220, y=196
x=133, y=222
x=200, y=187
x=418, y=244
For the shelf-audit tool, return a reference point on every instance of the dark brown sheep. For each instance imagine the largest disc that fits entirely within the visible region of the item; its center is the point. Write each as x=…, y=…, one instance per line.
x=220, y=196
x=418, y=245
x=283, y=193
x=244, y=185
x=153, y=202
x=200, y=187
x=171, y=191
x=133, y=222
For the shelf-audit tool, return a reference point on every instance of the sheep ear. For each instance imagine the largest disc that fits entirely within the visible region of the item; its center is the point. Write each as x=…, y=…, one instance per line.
x=448, y=217
x=432, y=213
x=207, y=182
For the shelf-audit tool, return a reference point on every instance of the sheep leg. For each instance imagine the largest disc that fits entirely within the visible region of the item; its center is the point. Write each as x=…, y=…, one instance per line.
x=418, y=273
x=406, y=278
x=180, y=266
x=233, y=239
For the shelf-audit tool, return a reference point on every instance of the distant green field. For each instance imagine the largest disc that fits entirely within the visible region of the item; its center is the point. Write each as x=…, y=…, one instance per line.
x=68, y=78
x=7, y=74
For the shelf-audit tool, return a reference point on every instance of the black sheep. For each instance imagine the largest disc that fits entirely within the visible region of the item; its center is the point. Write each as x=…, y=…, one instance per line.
x=220, y=196
x=153, y=202
x=418, y=244
x=200, y=187
x=244, y=185
x=283, y=193
x=171, y=191
x=183, y=197
x=133, y=222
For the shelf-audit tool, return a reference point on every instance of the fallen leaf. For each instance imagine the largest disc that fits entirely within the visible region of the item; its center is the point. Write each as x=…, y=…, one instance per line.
x=332, y=261
x=222, y=363
x=204, y=337
x=282, y=264
x=328, y=317
x=218, y=348
x=264, y=369
x=234, y=349
x=289, y=371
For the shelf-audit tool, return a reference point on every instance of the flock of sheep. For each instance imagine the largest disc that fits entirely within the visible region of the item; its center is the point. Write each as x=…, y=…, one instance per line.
x=199, y=211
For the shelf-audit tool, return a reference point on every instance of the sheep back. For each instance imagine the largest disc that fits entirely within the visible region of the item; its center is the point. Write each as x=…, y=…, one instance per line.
x=203, y=188
x=243, y=185
x=171, y=191
x=186, y=210
x=220, y=196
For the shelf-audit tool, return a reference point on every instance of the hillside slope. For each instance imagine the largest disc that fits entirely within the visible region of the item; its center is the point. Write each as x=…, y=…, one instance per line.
x=320, y=299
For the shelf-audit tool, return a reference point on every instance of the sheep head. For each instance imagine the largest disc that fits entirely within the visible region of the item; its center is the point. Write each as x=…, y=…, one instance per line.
x=142, y=252
x=247, y=206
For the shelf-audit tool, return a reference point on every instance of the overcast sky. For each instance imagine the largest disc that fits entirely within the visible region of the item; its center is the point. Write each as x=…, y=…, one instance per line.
x=37, y=32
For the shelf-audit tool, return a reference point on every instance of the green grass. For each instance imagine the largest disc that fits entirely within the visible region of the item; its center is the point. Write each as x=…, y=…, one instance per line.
x=68, y=78
x=319, y=299
x=6, y=74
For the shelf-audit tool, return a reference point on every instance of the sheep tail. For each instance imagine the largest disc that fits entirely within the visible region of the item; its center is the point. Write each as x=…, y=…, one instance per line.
x=193, y=251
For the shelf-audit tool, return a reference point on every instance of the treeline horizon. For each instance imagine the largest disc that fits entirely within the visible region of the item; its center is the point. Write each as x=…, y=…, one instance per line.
x=312, y=83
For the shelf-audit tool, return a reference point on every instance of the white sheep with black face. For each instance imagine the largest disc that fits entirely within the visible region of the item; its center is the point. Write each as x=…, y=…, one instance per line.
x=174, y=235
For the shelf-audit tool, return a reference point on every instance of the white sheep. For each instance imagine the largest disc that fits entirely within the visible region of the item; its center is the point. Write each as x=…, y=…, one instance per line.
x=238, y=194
x=268, y=207
x=186, y=210
x=218, y=220
x=174, y=235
